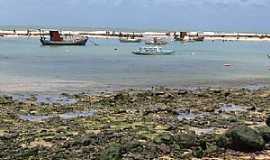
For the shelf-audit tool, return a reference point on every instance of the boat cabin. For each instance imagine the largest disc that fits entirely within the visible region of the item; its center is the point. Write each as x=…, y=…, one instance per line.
x=55, y=36
x=150, y=49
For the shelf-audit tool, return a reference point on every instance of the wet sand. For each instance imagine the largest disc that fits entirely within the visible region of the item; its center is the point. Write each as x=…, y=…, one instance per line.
x=72, y=87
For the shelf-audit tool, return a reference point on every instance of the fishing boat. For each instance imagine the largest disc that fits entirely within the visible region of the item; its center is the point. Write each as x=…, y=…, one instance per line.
x=129, y=40
x=152, y=51
x=198, y=39
x=180, y=37
x=156, y=41
x=193, y=39
x=57, y=39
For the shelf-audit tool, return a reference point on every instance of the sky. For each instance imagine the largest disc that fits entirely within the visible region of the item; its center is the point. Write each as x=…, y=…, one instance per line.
x=199, y=15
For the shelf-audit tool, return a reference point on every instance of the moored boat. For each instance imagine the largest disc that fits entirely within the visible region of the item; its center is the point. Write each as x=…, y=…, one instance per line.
x=57, y=39
x=156, y=41
x=152, y=51
x=129, y=40
x=198, y=38
x=194, y=39
x=180, y=37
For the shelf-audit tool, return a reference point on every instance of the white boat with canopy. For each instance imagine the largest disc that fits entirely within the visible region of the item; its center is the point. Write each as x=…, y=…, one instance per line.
x=149, y=50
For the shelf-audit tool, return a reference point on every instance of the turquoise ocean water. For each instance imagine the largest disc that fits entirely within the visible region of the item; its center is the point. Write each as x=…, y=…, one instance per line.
x=26, y=66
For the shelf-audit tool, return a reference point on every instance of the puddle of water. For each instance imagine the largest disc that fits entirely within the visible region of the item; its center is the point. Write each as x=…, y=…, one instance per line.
x=73, y=115
x=186, y=115
x=227, y=108
x=203, y=131
x=34, y=118
x=47, y=99
x=20, y=98
x=255, y=87
x=65, y=116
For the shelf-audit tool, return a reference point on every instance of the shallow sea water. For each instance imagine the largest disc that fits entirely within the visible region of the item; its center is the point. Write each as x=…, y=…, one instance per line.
x=26, y=66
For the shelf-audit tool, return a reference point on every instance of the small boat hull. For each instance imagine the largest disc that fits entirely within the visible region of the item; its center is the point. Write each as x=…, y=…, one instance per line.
x=80, y=42
x=129, y=40
x=154, y=53
x=195, y=39
x=198, y=39
x=156, y=43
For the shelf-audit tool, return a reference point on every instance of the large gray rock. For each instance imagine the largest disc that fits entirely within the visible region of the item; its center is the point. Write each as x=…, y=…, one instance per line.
x=113, y=152
x=165, y=138
x=187, y=140
x=265, y=133
x=242, y=139
x=268, y=121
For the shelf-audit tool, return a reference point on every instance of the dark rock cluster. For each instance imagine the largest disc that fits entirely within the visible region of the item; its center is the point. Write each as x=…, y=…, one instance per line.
x=131, y=124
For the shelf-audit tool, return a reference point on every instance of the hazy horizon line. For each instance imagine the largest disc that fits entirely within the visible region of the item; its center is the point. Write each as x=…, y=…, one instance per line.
x=138, y=29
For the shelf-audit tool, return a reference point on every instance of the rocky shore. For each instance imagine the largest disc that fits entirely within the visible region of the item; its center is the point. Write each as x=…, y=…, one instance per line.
x=159, y=123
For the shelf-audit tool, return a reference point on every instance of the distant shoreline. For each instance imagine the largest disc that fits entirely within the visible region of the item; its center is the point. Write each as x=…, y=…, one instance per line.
x=108, y=34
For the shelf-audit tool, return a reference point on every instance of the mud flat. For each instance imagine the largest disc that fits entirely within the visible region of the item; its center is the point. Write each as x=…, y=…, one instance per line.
x=159, y=123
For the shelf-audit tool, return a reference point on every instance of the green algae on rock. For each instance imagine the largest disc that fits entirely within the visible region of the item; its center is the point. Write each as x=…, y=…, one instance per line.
x=243, y=138
x=113, y=152
x=133, y=124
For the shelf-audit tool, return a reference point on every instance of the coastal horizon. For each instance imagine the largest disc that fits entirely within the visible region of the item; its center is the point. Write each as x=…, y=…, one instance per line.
x=126, y=29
